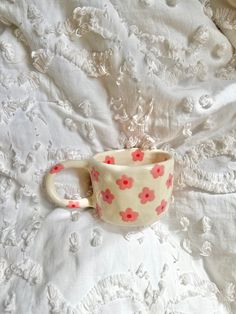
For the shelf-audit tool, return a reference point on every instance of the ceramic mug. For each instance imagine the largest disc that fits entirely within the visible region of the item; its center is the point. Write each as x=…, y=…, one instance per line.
x=130, y=186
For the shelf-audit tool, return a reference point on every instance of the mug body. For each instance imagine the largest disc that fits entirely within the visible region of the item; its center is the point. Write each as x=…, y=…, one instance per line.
x=131, y=187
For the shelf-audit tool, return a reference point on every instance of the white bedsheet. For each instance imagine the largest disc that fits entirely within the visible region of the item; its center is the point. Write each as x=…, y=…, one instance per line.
x=78, y=77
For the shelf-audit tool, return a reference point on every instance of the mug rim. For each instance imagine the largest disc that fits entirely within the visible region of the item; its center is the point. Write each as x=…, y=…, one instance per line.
x=94, y=159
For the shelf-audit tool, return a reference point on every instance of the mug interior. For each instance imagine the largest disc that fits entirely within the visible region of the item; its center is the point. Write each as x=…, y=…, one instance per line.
x=132, y=157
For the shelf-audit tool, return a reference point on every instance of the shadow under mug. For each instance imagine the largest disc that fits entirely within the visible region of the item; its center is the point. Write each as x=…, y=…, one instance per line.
x=130, y=187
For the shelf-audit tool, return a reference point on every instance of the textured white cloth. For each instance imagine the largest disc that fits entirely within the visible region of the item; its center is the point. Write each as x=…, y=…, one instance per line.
x=224, y=15
x=79, y=77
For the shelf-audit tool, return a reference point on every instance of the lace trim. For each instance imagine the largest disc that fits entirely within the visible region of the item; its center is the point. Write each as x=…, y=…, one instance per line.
x=228, y=72
x=199, y=39
x=225, y=18
x=72, y=191
x=42, y=59
x=30, y=79
x=83, y=21
x=107, y=290
x=10, y=106
x=74, y=242
x=65, y=153
x=8, y=235
x=96, y=237
x=134, y=127
x=229, y=292
x=220, y=50
x=187, y=104
x=5, y=21
x=207, y=8
x=29, y=233
x=145, y=299
x=27, y=269
x=25, y=191
x=94, y=64
x=158, y=47
x=193, y=175
x=7, y=51
x=6, y=182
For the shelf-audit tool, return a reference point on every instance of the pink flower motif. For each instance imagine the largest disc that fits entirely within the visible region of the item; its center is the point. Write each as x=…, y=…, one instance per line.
x=107, y=196
x=73, y=204
x=94, y=174
x=125, y=182
x=129, y=215
x=169, y=181
x=146, y=195
x=160, y=209
x=157, y=171
x=137, y=155
x=109, y=160
x=56, y=168
x=98, y=210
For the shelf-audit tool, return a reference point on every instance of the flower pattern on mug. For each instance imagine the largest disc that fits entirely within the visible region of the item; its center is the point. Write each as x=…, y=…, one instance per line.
x=73, y=204
x=146, y=195
x=107, y=196
x=94, y=174
x=160, y=209
x=109, y=160
x=56, y=168
x=129, y=215
x=98, y=210
x=137, y=155
x=157, y=171
x=125, y=182
x=169, y=181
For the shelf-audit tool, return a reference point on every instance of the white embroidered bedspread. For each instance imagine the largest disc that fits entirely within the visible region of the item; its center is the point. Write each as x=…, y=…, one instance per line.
x=78, y=77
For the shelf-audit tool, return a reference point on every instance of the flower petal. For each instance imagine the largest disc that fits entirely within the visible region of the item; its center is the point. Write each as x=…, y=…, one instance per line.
x=56, y=168
x=137, y=155
x=129, y=215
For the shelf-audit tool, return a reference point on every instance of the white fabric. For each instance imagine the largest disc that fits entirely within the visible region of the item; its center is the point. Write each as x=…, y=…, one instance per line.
x=74, y=82
x=224, y=15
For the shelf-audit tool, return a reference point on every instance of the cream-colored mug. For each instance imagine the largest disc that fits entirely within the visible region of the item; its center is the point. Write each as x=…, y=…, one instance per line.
x=131, y=187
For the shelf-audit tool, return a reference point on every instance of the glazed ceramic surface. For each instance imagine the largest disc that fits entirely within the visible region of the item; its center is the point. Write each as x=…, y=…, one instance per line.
x=130, y=186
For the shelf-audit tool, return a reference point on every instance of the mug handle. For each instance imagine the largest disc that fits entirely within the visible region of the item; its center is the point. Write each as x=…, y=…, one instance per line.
x=51, y=190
